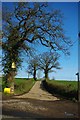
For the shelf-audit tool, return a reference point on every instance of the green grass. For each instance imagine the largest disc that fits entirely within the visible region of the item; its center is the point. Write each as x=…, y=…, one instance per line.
x=23, y=85
x=64, y=88
x=0, y=84
x=70, y=85
x=0, y=80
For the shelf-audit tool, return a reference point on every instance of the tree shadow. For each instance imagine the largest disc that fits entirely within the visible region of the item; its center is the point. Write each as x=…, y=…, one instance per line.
x=42, y=86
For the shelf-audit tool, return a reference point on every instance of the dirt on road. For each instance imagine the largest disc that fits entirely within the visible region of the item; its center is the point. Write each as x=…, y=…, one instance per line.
x=38, y=103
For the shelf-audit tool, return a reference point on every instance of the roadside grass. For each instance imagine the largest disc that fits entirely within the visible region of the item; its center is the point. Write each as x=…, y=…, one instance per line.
x=67, y=89
x=23, y=85
x=0, y=84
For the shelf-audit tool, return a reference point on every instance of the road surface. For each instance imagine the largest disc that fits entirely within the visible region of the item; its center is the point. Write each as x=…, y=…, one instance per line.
x=37, y=92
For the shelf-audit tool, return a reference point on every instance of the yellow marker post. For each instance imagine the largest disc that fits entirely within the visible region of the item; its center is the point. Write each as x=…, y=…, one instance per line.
x=13, y=65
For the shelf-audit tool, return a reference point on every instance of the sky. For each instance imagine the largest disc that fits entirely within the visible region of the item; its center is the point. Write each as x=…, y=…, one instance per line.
x=39, y=0
x=69, y=64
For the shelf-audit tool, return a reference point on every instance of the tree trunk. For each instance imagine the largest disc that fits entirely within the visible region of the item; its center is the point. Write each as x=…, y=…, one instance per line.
x=46, y=74
x=10, y=81
x=34, y=75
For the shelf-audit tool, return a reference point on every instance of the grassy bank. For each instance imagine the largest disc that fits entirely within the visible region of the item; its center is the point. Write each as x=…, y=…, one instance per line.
x=23, y=85
x=67, y=89
x=0, y=84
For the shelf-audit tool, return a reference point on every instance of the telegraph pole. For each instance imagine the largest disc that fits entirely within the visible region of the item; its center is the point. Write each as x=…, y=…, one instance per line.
x=78, y=87
x=78, y=94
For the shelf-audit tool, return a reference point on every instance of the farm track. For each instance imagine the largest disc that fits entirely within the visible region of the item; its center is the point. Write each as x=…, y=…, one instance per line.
x=38, y=92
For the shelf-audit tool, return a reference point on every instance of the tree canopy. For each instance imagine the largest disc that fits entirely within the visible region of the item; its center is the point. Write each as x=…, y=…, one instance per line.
x=36, y=23
x=31, y=23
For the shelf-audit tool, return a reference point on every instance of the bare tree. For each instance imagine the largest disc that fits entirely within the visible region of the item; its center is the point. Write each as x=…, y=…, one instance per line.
x=48, y=61
x=33, y=66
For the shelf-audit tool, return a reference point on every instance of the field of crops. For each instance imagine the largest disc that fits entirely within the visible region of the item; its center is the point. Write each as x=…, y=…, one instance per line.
x=64, y=88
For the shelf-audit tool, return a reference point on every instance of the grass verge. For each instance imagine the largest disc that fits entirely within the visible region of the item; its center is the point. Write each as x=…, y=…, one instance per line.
x=66, y=89
x=23, y=85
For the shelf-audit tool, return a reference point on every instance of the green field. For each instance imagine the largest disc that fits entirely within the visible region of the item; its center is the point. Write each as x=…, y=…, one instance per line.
x=67, y=89
x=70, y=85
